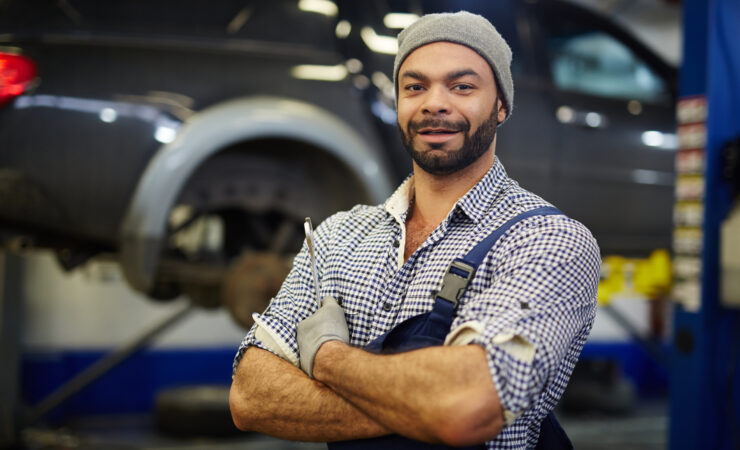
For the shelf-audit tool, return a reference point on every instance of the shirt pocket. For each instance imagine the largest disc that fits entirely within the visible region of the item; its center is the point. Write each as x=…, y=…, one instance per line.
x=359, y=300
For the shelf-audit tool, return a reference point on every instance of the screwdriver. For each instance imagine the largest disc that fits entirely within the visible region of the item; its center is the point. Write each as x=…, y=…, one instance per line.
x=308, y=228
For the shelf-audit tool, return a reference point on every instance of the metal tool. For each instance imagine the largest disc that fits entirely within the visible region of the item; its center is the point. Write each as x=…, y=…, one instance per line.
x=309, y=241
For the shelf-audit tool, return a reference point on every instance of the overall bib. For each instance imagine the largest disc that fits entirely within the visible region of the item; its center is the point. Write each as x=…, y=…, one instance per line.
x=431, y=328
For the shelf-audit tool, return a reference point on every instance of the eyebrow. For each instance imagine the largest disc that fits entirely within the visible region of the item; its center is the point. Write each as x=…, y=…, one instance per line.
x=461, y=73
x=450, y=76
x=413, y=74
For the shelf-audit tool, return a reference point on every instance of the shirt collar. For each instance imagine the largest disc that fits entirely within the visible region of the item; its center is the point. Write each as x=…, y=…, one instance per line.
x=475, y=204
x=398, y=203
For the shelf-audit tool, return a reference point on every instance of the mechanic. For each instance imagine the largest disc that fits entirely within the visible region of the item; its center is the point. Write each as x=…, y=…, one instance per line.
x=412, y=346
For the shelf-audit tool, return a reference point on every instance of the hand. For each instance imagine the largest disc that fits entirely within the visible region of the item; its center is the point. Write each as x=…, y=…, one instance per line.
x=326, y=324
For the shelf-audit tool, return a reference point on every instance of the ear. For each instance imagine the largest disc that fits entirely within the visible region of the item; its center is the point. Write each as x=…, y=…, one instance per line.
x=502, y=111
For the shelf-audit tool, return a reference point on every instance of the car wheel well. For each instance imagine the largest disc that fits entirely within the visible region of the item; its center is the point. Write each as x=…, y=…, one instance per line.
x=302, y=165
x=253, y=196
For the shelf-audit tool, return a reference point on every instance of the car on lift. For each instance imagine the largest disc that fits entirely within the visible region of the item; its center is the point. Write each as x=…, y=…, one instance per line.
x=189, y=140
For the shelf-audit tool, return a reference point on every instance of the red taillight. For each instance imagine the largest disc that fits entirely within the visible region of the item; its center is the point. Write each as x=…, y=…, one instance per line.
x=16, y=74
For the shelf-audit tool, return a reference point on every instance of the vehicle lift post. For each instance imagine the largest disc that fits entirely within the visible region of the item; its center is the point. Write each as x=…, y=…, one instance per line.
x=11, y=285
x=705, y=378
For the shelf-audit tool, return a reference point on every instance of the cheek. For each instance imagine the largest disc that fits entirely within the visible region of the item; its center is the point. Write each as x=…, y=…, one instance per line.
x=404, y=115
x=479, y=113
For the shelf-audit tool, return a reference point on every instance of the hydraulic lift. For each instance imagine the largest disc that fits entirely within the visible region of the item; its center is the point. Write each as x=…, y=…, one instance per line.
x=10, y=335
x=705, y=396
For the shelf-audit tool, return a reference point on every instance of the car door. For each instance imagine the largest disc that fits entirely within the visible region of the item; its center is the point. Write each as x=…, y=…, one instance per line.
x=612, y=103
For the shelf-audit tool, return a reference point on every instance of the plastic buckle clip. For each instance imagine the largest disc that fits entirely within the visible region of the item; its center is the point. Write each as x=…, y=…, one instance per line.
x=456, y=280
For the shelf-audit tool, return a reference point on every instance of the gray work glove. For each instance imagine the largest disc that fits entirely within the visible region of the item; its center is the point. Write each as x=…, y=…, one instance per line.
x=326, y=324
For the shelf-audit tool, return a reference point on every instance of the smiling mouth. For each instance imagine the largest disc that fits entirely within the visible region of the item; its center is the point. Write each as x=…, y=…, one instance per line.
x=437, y=131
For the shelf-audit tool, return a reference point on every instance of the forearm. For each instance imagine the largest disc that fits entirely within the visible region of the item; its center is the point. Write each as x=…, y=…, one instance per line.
x=437, y=394
x=271, y=396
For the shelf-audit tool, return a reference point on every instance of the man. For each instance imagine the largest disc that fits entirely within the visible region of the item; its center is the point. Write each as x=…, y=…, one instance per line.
x=515, y=329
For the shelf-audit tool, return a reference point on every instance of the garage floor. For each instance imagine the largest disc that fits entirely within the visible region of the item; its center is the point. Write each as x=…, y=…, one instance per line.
x=646, y=429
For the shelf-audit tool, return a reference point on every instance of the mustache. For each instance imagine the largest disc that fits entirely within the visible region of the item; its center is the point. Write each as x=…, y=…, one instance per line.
x=460, y=125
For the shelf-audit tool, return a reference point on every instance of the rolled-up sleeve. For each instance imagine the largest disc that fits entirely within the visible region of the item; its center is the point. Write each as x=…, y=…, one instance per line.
x=538, y=310
x=274, y=330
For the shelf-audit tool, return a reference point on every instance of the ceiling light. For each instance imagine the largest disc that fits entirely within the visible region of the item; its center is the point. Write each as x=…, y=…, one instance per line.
x=343, y=29
x=325, y=7
x=318, y=72
x=399, y=20
x=379, y=44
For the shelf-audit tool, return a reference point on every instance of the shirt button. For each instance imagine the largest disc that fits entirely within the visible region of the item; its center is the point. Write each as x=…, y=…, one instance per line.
x=387, y=306
x=396, y=243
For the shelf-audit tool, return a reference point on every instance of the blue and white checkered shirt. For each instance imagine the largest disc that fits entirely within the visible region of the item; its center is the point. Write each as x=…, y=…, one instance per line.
x=531, y=302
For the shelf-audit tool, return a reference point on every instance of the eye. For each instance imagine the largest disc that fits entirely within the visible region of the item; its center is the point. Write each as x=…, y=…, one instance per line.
x=414, y=87
x=462, y=87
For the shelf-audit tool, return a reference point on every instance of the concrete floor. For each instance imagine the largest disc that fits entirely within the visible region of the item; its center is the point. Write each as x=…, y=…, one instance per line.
x=645, y=429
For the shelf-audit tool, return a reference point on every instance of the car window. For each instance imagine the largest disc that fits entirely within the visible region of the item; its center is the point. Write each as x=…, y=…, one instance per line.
x=595, y=62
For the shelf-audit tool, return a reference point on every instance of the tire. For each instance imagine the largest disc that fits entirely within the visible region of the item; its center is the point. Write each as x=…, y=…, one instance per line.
x=194, y=412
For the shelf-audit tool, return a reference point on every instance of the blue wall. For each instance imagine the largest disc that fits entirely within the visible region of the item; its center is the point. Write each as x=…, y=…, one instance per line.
x=128, y=388
x=132, y=386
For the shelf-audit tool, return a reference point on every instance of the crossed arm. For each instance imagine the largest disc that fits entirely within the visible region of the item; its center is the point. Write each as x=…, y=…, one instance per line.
x=437, y=394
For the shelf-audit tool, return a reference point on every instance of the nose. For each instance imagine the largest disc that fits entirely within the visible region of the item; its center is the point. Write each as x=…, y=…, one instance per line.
x=436, y=101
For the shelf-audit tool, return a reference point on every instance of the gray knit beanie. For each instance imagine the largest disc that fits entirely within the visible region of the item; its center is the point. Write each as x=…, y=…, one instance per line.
x=463, y=28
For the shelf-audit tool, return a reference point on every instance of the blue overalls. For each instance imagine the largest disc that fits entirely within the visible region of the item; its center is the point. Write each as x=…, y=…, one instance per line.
x=431, y=328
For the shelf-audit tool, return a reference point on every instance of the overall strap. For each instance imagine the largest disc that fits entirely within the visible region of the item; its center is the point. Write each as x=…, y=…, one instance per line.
x=462, y=270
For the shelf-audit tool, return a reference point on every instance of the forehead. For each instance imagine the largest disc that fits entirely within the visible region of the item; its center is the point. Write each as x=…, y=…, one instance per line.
x=444, y=57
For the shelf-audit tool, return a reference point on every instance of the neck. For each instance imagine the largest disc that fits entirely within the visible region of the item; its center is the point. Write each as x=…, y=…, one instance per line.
x=435, y=195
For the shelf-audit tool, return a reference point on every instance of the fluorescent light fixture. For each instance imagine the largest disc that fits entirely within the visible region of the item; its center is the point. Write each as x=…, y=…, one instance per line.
x=239, y=20
x=165, y=134
x=108, y=115
x=325, y=7
x=565, y=114
x=593, y=119
x=384, y=84
x=399, y=20
x=360, y=81
x=652, y=138
x=343, y=29
x=387, y=45
x=381, y=80
x=317, y=72
x=645, y=176
x=353, y=65
x=670, y=141
x=666, y=141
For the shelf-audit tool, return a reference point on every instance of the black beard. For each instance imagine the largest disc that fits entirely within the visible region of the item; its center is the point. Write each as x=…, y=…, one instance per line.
x=473, y=147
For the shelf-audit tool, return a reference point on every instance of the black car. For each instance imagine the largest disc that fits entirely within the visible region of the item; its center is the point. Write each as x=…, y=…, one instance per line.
x=190, y=139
